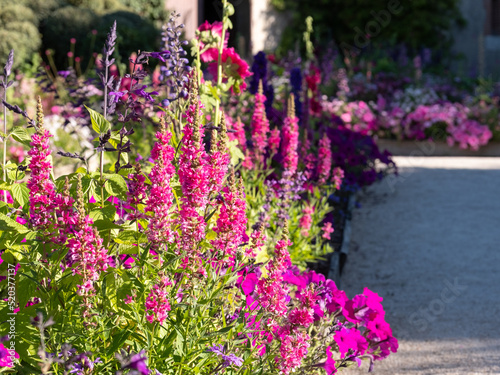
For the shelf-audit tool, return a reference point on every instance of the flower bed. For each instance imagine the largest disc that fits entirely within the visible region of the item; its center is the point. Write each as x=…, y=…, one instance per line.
x=189, y=258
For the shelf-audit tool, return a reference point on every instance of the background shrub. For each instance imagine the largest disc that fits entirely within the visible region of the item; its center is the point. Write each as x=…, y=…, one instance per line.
x=420, y=24
x=36, y=25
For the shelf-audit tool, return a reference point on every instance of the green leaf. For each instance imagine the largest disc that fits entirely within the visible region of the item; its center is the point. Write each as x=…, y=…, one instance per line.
x=106, y=213
x=20, y=193
x=236, y=153
x=21, y=135
x=118, y=341
x=9, y=225
x=99, y=123
x=129, y=237
x=26, y=289
x=116, y=186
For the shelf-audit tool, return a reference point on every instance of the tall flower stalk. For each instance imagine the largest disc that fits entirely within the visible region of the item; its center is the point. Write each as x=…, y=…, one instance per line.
x=109, y=48
x=5, y=83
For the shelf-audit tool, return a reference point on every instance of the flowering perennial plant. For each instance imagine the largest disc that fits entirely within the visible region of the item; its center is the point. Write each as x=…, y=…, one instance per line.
x=187, y=261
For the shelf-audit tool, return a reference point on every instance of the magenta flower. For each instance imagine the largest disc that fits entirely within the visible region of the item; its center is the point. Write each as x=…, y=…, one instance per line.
x=329, y=364
x=40, y=185
x=272, y=291
x=157, y=305
x=231, y=223
x=161, y=197
x=290, y=138
x=327, y=230
x=239, y=133
x=218, y=160
x=350, y=339
x=306, y=220
x=274, y=141
x=324, y=159
x=293, y=349
x=210, y=34
x=136, y=193
x=194, y=178
x=260, y=127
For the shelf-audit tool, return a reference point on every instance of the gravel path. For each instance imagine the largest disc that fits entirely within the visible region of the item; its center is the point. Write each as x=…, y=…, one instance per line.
x=429, y=243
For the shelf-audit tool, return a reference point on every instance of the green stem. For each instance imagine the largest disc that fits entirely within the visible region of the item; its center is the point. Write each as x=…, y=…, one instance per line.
x=101, y=156
x=4, y=161
x=219, y=61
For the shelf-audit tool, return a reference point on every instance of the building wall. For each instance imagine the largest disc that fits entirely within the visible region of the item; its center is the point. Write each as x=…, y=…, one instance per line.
x=189, y=14
x=476, y=42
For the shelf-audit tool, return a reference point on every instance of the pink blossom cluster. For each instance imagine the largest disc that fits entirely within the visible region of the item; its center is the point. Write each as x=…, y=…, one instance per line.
x=306, y=220
x=324, y=159
x=462, y=130
x=159, y=202
x=231, y=223
x=157, y=304
x=469, y=134
x=86, y=255
x=271, y=290
x=233, y=66
x=219, y=158
x=290, y=138
x=273, y=142
x=137, y=193
x=209, y=39
x=194, y=178
x=327, y=230
x=260, y=127
x=356, y=115
x=40, y=185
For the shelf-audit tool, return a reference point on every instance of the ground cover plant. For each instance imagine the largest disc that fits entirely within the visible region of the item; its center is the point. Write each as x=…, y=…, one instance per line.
x=190, y=257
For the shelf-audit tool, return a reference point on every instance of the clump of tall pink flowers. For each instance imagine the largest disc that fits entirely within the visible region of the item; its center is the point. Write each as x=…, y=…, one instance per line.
x=86, y=256
x=40, y=185
x=218, y=159
x=194, y=178
x=160, y=200
x=157, y=304
x=290, y=138
x=271, y=290
x=260, y=126
x=231, y=223
x=324, y=159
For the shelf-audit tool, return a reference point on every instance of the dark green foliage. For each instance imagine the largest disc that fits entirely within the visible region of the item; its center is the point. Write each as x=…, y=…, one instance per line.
x=134, y=33
x=19, y=31
x=64, y=24
x=153, y=10
x=418, y=24
x=15, y=13
x=58, y=21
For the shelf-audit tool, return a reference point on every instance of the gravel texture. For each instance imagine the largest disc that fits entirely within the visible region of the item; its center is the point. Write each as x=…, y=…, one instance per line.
x=428, y=242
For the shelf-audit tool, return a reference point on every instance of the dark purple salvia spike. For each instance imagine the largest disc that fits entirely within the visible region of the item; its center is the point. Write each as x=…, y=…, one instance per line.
x=109, y=46
x=8, y=65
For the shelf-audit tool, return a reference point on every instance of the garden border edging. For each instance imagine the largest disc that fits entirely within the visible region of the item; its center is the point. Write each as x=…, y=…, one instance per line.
x=338, y=258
